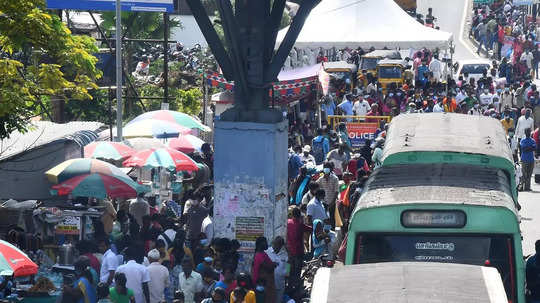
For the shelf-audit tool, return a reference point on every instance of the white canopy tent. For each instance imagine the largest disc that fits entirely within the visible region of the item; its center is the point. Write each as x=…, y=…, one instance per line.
x=365, y=23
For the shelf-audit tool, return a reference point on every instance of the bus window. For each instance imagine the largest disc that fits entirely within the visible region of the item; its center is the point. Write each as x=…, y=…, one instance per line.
x=490, y=250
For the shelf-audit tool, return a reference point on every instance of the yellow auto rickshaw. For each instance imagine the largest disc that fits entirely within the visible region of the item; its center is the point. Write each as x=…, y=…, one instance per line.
x=342, y=70
x=369, y=61
x=391, y=71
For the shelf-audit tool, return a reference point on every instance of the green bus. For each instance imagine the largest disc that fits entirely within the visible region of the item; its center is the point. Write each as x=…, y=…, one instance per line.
x=449, y=138
x=439, y=212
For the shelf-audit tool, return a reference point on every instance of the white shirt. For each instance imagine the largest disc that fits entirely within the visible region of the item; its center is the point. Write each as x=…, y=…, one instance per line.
x=190, y=286
x=361, y=108
x=280, y=272
x=460, y=97
x=136, y=275
x=528, y=58
x=159, y=279
x=437, y=108
x=486, y=99
x=436, y=68
x=138, y=208
x=207, y=228
x=316, y=210
x=523, y=124
x=109, y=262
x=171, y=233
x=307, y=159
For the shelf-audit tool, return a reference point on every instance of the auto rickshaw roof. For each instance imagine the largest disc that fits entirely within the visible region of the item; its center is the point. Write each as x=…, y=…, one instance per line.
x=399, y=62
x=383, y=53
x=339, y=66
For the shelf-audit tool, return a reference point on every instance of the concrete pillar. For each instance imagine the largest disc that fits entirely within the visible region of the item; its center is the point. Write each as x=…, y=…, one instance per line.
x=250, y=183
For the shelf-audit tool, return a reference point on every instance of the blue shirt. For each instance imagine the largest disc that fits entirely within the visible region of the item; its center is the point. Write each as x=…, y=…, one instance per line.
x=347, y=107
x=294, y=165
x=89, y=292
x=421, y=70
x=532, y=274
x=527, y=156
x=329, y=108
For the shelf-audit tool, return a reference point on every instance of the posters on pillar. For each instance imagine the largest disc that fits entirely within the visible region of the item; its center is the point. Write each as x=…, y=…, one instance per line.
x=110, y=5
x=247, y=230
x=359, y=132
x=70, y=225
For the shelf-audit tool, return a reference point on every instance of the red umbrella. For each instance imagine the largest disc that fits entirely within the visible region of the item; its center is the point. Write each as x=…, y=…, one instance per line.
x=162, y=157
x=15, y=262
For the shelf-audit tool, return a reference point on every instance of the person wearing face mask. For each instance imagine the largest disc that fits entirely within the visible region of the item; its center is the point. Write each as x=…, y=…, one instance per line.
x=507, y=122
x=524, y=122
x=194, y=217
x=263, y=269
x=486, y=98
x=507, y=98
x=278, y=255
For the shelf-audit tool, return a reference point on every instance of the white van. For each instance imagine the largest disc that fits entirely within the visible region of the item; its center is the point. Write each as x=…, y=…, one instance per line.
x=474, y=67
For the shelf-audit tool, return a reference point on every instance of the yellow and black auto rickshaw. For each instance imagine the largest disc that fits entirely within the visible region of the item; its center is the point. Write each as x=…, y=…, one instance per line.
x=369, y=61
x=342, y=70
x=391, y=71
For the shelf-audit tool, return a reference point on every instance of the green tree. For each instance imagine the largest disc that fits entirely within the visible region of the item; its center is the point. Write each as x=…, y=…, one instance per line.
x=39, y=57
x=137, y=25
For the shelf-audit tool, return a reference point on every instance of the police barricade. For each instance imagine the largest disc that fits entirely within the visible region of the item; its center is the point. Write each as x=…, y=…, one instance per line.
x=360, y=128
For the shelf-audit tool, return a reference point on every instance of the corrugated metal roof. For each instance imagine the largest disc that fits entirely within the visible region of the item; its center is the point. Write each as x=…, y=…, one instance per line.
x=44, y=132
x=446, y=132
x=412, y=282
x=437, y=183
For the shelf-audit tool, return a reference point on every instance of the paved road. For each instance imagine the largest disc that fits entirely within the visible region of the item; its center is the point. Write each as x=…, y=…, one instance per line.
x=450, y=18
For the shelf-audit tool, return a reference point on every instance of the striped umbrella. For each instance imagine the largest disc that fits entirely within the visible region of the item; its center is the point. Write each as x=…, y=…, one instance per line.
x=168, y=158
x=108, y=150
x=179, y=118
x=14, y=262
x=91, y=178
x=153, y=128
x=186, y=144
x=139, y=144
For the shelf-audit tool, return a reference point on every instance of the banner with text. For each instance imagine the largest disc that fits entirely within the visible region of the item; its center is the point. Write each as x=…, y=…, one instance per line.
x=110, y=5
x=359, y=132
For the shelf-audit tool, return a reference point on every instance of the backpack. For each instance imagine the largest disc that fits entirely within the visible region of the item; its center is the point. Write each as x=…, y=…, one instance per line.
x=318, y=151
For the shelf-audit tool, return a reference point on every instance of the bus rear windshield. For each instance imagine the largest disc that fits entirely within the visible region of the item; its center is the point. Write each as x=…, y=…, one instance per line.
x=495, y=250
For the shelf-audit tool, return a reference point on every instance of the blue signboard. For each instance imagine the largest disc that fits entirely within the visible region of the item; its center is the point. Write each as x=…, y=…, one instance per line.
x=110, y=5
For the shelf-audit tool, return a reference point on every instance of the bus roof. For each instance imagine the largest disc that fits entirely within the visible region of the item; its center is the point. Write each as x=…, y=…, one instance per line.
x=440, y=183
x=446, y=132
x=408, y=282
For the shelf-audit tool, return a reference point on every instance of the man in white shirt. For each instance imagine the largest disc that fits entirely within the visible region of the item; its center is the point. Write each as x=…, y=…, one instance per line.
x=306, y=157
x=137, y=274
x=528, y=58
x=278, y=255
x=438, y=108
x=138, y=208
x=435, y=66
x=168, y=235
x=190, y=282
x=109, y=262
x=361, y=107
x=486, y=98
x=159, y=277
x=207, y=227
x=523, y=123
x=315, y=208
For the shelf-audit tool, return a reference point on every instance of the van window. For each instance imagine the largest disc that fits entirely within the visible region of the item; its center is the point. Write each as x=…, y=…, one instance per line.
x=474, y=68
x=495, y=250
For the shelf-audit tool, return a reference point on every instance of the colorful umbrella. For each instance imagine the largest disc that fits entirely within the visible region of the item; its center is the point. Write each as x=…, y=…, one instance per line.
x=108, y=150
x=162, y=157
x=186, y=144
x=15, y=262
x=139, y=144
x=173, y=117
x=153, y=128
x=91, y=178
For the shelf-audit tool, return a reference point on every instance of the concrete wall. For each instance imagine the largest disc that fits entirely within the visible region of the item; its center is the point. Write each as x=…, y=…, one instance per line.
x=250, y=176
x=23, y=177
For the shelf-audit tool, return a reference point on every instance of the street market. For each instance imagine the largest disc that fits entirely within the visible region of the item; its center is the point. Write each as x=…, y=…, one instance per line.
x=276, y=182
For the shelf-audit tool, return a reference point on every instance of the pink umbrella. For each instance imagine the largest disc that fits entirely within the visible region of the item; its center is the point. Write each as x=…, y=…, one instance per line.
x=186, y=143
x=162, y=157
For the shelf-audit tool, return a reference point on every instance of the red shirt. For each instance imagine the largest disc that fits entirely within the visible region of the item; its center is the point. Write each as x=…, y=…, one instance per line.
x=295, y=236
x=94, y=262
